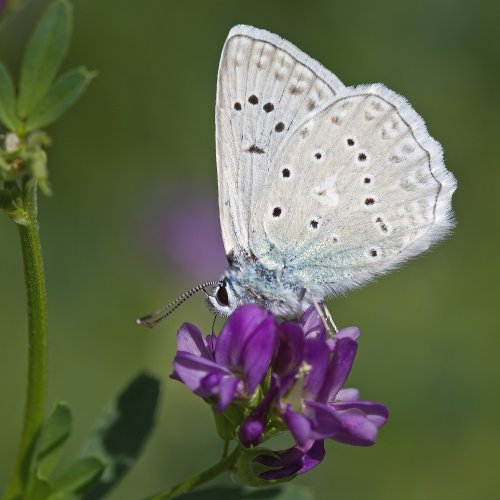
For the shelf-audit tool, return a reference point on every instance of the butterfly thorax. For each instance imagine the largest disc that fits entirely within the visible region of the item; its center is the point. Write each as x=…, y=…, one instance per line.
x=247, y=281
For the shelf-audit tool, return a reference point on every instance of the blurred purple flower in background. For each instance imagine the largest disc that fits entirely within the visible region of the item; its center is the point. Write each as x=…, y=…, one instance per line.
x=3, y=4
x=180, y=230
x=280, y=375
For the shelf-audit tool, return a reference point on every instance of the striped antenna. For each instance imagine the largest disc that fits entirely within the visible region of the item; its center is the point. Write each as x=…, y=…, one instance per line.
x=151, y=320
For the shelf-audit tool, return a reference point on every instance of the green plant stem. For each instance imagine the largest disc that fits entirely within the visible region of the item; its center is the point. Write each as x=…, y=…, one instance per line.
x=37, y=340
x=201, y=478
x=225, y=450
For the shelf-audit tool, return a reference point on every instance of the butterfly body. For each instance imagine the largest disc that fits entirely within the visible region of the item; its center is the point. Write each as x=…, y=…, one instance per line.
x=322, y=187
x=247, y=281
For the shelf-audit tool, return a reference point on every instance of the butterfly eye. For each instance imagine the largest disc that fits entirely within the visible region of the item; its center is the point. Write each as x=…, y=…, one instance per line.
x=222, y=296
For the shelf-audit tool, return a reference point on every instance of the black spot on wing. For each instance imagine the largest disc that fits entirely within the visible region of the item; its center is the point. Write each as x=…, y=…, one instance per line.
x=279, y=127
x=255, y=149
x=268, y=107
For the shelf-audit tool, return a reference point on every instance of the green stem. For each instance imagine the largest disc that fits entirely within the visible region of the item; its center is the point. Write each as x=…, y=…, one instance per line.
x=225, y=450
x=201, y=478
x=37, y=340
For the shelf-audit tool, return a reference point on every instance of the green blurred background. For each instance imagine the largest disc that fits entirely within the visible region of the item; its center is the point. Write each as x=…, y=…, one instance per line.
x=144, y=133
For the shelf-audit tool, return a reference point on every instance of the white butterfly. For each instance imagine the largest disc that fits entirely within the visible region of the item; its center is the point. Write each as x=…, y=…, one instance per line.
x=322, y=187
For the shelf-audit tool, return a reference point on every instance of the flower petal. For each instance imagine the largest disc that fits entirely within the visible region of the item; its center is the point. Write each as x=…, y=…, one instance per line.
x=325, y=420
x=343, y=357
x=351, y=332
x=313, y=456
x=317, y=357
x=356, y=430
x=259, y=351
x=231, y=342
x=211, y=344
x=310, y=318
x=250, y=432
x=253, y=427
x=299, y=425
x=376, y=413
x=190, y=339
x=210, y=383
x=290, y=350
x=348, y=394
x=294, y=460
x=312, y=324
x=191, y=370
x=227, y=392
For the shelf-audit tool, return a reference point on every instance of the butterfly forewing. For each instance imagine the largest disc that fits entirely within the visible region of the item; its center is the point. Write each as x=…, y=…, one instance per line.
x=266, y=87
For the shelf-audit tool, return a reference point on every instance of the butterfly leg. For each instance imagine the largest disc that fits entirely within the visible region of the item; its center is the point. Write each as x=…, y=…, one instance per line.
x=330, y=319
x=321, y=312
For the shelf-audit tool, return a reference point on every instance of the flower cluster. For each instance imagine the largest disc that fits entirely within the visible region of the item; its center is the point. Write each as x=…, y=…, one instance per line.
x=263, y=377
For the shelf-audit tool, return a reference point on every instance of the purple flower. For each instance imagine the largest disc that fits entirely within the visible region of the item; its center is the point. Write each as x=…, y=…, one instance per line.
x=231, y=366
x=294, y=460
x=290, y=341
x=180, y=229
x=287, y=375
x=312, y=325
x=252, y=429
x=313, y=404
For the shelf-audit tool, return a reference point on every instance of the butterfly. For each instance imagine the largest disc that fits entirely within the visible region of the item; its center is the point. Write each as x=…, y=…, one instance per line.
x=322, y=187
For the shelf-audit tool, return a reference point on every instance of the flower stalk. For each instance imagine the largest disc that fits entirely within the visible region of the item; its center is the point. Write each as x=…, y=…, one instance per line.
x=37, y=337
x=203, y=477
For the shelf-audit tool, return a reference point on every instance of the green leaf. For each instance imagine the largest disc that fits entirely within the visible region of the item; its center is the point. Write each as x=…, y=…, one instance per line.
x=4, y=166
x=283, y=492
x=8, y=115
x=41, y=490
x=225, y=428
x=44, y=54
x=54, y=434
x=63, y=94
x=122, y=430
x=77, y=477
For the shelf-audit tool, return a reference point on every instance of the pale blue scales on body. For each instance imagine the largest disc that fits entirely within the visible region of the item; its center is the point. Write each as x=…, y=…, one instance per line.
x=322, y=187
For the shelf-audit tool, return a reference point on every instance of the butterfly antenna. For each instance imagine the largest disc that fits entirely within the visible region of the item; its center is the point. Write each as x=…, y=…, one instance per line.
x=151, y=320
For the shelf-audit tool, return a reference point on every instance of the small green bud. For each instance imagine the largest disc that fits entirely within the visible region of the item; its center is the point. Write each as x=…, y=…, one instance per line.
x=38, y=164
x=11, y=203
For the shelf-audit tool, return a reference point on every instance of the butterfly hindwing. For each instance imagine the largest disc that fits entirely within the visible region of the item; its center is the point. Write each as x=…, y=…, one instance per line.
x=357, y=189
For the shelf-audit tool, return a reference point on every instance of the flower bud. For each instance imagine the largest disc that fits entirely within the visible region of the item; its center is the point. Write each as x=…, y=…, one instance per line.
x=250, y=467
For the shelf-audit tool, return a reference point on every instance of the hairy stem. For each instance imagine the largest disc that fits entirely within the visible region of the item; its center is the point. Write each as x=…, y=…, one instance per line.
x=37, y=340
x=201, y=478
